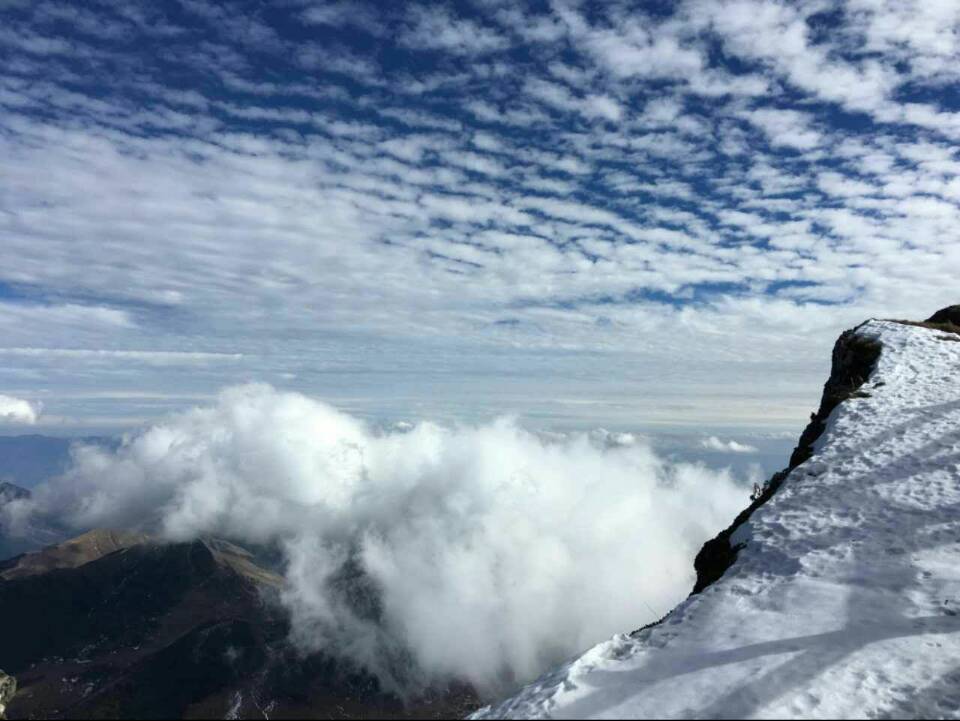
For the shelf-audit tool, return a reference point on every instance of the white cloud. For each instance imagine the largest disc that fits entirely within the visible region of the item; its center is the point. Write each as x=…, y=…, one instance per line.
x=715, y=444
x=526, y=549
x=523, y=203
x=602, y=106
x=786, y=128
x=136, y=356
x=435, y=28
x=18, y=411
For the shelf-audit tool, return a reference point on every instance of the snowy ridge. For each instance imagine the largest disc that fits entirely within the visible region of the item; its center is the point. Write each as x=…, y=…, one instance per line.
x=844, y=600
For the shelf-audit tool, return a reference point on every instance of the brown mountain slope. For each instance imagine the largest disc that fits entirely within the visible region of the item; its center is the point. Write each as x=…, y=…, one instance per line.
x=187, y=630
x=69, y=554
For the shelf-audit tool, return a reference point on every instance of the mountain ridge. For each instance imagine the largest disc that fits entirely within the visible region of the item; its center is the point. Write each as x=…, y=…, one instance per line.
x=833, y=594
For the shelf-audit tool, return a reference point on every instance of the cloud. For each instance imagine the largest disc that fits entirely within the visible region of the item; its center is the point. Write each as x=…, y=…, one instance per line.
x=524, y=548
x=345, y=13
x=786, y=128
x=603, y=106
x=715, y=444
x=150, y=357
x=18, y=411
x=631, y=186
x=434, y=28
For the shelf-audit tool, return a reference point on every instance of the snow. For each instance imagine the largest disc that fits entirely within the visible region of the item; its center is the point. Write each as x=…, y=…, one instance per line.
x=844, y=602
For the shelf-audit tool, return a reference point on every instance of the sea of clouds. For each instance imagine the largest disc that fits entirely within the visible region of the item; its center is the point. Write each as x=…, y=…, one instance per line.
x=487, y=553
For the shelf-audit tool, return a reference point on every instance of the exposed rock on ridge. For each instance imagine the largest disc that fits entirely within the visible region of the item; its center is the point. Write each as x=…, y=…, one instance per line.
x=854, y=357
x=842, y=601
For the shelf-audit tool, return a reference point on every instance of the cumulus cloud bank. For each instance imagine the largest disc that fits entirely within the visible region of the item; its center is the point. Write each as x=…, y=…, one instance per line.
x=17, y=410
x=488, y=552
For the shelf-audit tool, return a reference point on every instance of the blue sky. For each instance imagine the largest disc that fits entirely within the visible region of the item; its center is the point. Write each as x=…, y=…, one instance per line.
x=617, y=214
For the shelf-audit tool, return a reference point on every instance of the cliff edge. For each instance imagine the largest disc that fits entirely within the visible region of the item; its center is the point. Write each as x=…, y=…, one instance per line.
x=836, y=594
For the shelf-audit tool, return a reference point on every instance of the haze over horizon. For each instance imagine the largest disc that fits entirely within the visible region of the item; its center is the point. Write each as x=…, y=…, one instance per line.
x=586, y=214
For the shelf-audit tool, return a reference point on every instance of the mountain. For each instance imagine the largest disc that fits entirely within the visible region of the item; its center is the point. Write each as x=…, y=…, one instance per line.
x=836, y=594
x=69, y=554
x=112, y=625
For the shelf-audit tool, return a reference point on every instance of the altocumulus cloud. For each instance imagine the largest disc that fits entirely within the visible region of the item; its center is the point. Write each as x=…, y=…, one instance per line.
x=522, y=549
x=658, y=183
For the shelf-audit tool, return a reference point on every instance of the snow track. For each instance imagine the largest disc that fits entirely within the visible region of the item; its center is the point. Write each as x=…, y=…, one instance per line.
x=844, y=601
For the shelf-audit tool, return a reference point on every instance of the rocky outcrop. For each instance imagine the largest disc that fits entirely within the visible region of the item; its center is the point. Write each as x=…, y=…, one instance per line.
x=8, y=688
x=854, y=357
x=949, y=315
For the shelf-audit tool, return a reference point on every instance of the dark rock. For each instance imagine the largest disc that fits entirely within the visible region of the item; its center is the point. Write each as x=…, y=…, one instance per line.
x=950, y=314
x=854, y=358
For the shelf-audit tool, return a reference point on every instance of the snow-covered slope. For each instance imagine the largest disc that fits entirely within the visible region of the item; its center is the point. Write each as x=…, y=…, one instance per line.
x=844, y=600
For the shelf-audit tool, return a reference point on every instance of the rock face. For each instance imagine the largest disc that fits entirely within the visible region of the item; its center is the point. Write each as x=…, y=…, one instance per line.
x=8, y=688
x=949, y=315
x=110, y=625
x=854, y=357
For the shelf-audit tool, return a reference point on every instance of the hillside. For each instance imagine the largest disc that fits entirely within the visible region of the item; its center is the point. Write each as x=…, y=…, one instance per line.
x=838, y=595
x=182, y=630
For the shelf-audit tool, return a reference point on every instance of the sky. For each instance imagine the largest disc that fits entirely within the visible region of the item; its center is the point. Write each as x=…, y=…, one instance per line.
x=628, y=215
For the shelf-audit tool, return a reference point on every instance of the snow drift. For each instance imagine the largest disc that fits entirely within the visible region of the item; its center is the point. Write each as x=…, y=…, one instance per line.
x=842, y=597
x=427, y=553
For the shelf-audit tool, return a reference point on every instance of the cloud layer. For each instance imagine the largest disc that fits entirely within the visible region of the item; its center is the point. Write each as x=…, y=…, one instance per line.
x=655, y=184
x=523, y=549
